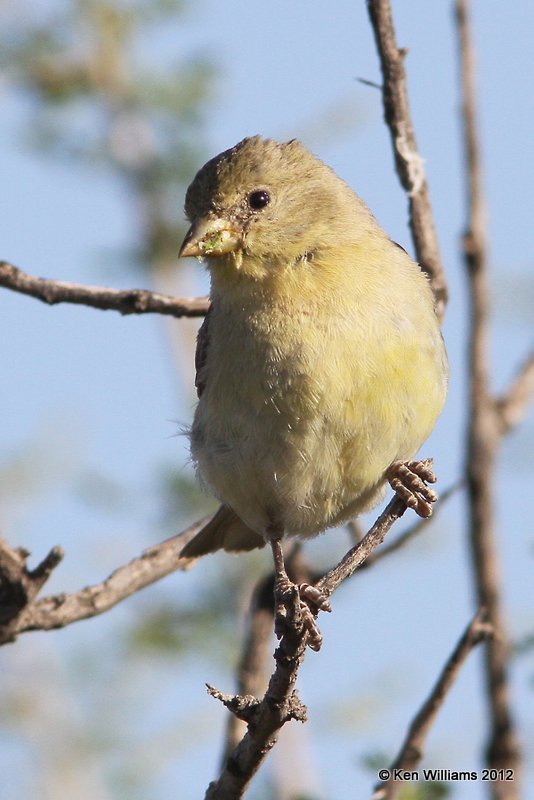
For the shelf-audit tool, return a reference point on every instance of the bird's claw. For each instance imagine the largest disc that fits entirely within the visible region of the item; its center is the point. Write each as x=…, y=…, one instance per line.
x=305, y=601
x=409, y=479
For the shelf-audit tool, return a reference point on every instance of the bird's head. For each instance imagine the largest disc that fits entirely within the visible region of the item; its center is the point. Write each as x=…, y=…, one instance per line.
x=266, y=202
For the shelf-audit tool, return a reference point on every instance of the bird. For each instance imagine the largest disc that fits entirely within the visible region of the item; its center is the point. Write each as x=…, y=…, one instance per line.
x=320, y=365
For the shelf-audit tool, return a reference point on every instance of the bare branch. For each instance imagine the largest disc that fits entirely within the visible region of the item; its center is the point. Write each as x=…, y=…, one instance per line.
x=408, y=162
x=280, y=702
x=252, y=674
x=411, y=751
x=279, y=705
x=19, y=585
x=412, y=531
x=363, y=549
x=512, y=406
x=484, y=436
x=242, y=706
x=251, y=667
x=42, y=571
x=130, y=301
x=60, y=610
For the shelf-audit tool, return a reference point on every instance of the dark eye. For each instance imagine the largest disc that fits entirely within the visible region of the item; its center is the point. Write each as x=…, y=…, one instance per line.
x=259, y=199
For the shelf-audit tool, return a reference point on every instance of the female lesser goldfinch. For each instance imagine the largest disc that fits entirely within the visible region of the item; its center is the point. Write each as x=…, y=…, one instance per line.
x=320, y=365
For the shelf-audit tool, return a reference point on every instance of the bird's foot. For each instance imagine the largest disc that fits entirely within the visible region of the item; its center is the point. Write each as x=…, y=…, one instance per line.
x=409, y=479
x=299, y=603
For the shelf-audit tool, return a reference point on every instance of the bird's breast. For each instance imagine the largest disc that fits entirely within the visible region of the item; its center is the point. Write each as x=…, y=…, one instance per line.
x=270, y=430
x=303, y=409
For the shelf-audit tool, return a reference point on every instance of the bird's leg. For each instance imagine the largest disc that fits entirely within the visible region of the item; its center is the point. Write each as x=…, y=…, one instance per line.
x=283, y=588
x=409, y=479
x=311, y=601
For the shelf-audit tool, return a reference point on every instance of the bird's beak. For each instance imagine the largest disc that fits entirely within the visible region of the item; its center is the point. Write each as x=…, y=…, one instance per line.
x=210, y=236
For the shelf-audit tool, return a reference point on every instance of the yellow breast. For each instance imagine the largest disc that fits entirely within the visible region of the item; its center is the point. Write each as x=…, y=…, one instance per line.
x=315, y=382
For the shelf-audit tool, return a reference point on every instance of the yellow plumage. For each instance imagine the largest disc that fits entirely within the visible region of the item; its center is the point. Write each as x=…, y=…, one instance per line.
x=321, y=363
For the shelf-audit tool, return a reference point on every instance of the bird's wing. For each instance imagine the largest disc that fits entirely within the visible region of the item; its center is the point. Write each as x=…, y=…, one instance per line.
x=225, y=530
x=201, y=353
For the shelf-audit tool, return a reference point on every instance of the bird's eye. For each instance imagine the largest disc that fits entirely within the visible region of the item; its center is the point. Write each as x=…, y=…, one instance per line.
x=259, y=199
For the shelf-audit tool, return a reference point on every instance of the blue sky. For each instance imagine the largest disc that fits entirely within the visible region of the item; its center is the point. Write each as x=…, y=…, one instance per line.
x=83, y=391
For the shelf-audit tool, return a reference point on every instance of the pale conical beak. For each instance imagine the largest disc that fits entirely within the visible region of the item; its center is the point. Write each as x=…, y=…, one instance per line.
x=209, y=236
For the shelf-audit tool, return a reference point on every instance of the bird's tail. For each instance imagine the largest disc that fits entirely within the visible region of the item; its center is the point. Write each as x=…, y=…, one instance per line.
x=225, y=530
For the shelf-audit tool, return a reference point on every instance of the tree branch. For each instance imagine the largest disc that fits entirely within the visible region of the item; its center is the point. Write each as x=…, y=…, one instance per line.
x=130, y=301
x=411, y=751
x=19, y=585
x=512, y=406
x=264, y=718
x=252, y=668
x=363, y=549
x=259, y=630
x=484, y=436
x=412, y=531
x=20, y=613
x=280, y=702
x=264, y=721
x=408, y=162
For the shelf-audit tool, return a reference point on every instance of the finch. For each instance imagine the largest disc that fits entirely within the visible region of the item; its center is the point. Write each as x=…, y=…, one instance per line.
x=321, y=368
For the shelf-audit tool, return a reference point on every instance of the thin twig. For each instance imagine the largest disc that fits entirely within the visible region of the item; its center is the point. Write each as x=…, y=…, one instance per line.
x=411, y=532
x=363, y=549
x=57, y=611
x=513, y=404
x=409, y=164
x=130, y=301
x=485, y=431
x=411, y=751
